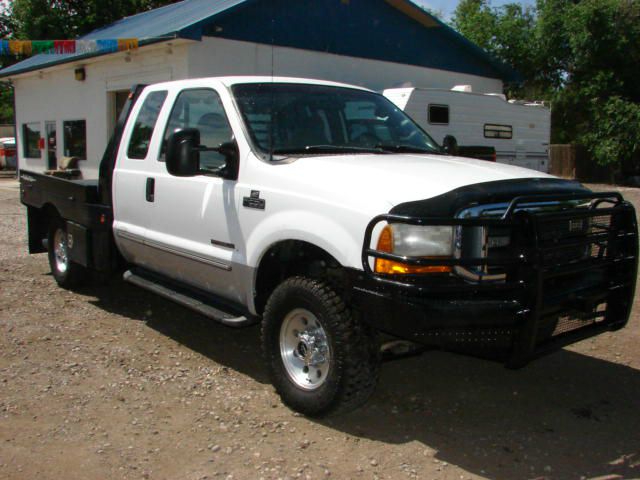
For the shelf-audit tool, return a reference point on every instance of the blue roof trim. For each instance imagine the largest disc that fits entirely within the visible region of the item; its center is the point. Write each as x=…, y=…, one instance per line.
x=389, y=30
x=377, y=30
x=508, y=73
x=178, y=20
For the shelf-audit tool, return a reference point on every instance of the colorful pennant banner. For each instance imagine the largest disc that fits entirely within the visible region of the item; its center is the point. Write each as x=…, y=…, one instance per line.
x=53, y=47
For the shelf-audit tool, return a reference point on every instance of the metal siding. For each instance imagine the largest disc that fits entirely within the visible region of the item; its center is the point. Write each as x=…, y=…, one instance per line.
x=374, y=29
x=357, y=28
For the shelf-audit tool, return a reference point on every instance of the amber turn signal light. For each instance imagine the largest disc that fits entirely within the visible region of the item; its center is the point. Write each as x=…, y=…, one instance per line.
x=391, y=267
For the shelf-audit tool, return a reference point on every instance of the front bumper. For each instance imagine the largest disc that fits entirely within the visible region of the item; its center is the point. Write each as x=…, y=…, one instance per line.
x=549, y=297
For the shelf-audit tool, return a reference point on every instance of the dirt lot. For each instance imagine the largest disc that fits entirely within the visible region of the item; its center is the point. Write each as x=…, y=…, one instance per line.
x=112, y=382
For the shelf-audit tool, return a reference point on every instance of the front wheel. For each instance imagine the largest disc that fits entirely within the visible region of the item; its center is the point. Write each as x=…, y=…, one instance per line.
x=67, y=273
x=321, y=359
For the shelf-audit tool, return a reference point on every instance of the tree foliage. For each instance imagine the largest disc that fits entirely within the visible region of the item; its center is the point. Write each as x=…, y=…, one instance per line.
x=582, y=56
x=59, y=19
x=47, y=19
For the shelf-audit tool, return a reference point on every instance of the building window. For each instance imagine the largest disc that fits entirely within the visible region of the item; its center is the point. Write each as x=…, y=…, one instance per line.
x=439, y=114
x=145, y=123
x=31, y=139
x=75, y=139
x=498, y=131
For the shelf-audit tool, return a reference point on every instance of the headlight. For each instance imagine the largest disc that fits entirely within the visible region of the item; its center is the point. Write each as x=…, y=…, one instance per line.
x=414, y=241
x=419, y=241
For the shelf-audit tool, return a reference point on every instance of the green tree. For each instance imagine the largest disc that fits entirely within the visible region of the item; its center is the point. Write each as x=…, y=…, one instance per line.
x=59, y=19
x=553, y=54
x=583, y=56
x=37, y=19
x=45, y=19
x=6, y=103
x=604, y=39
x=616, y=138
x=508, y=33
x=476, y=20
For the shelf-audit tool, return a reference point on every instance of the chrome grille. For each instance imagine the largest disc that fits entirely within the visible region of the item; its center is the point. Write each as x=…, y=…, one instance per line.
x=569, y=239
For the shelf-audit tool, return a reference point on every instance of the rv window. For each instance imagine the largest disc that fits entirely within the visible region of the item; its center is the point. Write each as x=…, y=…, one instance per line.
x=498, y=131
x=31, y=140
x=145, y=123
x=75, y=139
x=439, y=114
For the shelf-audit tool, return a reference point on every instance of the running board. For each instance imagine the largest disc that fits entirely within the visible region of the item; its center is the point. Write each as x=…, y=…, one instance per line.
x=182, y=297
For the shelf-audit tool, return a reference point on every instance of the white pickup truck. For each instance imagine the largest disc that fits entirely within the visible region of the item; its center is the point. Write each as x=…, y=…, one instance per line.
x=325, y=213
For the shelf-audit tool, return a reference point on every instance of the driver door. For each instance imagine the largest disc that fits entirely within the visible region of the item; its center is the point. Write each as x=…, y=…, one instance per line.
x=192, y=229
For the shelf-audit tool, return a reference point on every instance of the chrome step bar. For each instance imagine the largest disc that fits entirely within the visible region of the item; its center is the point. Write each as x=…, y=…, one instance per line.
x=211, y=309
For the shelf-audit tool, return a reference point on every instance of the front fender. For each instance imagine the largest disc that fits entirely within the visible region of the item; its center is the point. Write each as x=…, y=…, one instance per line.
x=342, y=240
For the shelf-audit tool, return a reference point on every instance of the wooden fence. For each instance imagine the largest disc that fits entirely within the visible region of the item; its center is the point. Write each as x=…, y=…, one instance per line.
x=575, y=162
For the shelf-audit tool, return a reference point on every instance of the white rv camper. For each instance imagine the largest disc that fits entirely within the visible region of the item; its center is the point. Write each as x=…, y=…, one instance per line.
x=519, y=131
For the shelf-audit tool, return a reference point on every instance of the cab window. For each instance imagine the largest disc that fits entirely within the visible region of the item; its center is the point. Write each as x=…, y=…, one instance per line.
x=289, y=118
x=201, y=109
x=145, y=123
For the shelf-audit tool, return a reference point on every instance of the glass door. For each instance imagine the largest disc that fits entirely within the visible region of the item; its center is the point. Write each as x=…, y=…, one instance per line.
x=116, y=100
x=52, y=159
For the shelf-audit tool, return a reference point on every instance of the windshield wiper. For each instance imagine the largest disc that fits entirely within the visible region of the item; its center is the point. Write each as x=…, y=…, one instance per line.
x=406, y=149
x=328, y=149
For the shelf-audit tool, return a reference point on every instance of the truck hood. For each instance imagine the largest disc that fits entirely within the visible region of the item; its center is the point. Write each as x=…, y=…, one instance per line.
x=399, y=178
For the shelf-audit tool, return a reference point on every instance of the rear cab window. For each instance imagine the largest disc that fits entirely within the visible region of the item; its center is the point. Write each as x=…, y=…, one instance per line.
x=142, y=132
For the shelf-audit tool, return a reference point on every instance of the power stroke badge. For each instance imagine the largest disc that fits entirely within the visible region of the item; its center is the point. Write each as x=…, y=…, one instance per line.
x=254, y=201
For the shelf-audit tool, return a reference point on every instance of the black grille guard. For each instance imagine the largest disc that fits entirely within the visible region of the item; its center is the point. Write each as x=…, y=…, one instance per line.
x=532, y=265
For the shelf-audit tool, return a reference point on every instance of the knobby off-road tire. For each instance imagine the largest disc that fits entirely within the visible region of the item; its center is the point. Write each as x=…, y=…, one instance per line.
x=303, y=316
x=67, y=273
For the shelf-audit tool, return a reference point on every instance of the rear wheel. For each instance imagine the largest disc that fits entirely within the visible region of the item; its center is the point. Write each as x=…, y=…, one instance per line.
x=67, y=273
x=321, y=359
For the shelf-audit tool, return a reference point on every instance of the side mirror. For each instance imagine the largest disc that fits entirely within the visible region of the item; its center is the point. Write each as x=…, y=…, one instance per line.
x=183, y=153
x=450, y=145
x=231, y=154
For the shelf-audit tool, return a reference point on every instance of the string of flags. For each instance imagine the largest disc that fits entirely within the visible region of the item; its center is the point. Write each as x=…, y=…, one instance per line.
x=56, y=47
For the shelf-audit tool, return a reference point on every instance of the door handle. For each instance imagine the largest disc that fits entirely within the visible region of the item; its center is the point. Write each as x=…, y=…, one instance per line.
x=151, y=189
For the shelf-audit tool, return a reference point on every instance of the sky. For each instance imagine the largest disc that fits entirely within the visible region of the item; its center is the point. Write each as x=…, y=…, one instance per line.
x=447, y=7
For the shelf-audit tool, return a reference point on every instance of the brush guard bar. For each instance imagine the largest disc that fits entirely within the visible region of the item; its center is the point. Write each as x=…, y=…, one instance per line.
x=563, y=297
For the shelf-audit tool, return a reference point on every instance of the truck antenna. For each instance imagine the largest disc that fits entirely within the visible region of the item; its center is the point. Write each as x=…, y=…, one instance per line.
x=272, y=75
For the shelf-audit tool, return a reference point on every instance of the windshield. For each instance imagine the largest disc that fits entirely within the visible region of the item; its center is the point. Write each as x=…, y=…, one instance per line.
x=286, y=118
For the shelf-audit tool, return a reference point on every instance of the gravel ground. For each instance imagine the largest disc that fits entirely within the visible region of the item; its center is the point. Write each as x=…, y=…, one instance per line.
x=112, y=382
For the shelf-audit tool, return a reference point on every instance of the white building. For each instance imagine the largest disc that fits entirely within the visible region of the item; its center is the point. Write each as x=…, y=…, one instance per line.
x=67, y=105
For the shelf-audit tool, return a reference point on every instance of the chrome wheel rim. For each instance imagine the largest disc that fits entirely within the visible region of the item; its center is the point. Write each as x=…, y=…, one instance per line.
x=304, y=349
x=60, y=250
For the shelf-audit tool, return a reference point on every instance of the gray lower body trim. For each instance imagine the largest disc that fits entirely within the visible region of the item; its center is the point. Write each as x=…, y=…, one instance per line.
x=174, y=250
x=234, y=281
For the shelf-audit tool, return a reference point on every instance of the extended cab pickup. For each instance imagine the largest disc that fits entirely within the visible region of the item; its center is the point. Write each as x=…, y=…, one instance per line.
x=325, y=213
